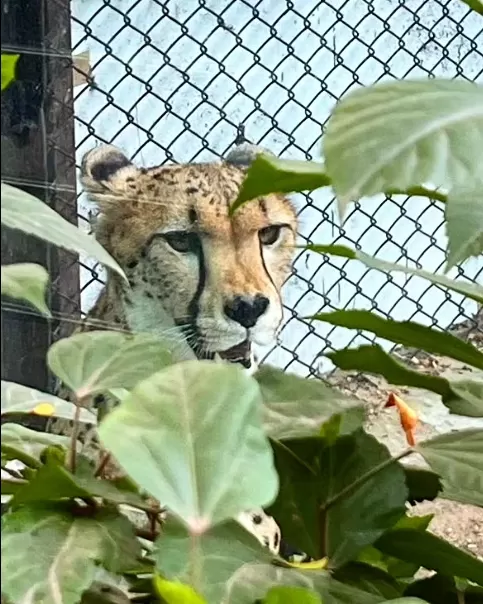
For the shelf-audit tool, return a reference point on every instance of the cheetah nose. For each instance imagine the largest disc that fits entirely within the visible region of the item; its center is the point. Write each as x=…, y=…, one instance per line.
x=246, y=310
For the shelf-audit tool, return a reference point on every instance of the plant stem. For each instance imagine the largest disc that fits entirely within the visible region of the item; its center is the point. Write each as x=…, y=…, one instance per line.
x=348, y=489
x=73, y=438
x=365, y=477
x=105, y=457
x=146, y=534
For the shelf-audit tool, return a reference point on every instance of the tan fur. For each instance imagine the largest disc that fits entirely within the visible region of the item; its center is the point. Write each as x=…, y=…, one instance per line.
x=137, y=203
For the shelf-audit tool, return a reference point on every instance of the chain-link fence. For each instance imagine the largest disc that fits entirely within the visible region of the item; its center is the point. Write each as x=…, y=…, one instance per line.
x=173, y=81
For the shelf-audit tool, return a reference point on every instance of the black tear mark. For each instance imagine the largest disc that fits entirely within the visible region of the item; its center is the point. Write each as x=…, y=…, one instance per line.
x=192, y=216
x=194, y=305
x=103, y=170
x=262, y=203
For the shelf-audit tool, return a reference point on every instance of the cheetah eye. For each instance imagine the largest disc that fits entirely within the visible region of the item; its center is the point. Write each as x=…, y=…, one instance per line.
x=182, y=241
x=269, y=235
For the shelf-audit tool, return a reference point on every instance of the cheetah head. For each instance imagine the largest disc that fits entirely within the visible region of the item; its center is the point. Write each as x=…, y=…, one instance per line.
x=218, y=277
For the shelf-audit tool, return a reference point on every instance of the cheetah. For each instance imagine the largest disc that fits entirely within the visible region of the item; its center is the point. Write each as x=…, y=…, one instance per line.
x=190, y=265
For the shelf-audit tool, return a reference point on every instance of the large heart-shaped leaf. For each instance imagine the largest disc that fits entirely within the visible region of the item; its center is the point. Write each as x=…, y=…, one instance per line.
x=51, y=555
x=252, y=582
x=53, y=481
x=369, y=578
x=406, y=333
x=17, y=398
x=97, y=361
x=431, y=552
x=26, y=282
x=377, y=136
x=26, y=445
x=268, y=174
x=394, y=566
x=335, y=500
x=207, y=561
x=470, y=290
x=464, y=225
x=458, y=458
x=297, y=407
x=23, y=211
x=195, y=442
x=373, y=359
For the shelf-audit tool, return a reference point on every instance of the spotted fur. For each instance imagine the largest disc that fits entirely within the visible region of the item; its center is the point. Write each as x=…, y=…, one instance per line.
x=192, y=269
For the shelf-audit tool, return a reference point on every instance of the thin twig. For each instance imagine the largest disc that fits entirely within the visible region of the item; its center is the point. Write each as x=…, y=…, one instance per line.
x=105, y=458
x=348, y=489
x=365, y=477
x=146, y=534
x=73, y=438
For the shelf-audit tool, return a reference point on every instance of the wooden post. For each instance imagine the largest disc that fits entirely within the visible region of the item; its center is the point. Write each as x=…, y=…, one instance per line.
x=37, y=146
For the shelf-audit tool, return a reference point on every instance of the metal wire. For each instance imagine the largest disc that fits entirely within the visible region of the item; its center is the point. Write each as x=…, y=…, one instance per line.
x=182, y=81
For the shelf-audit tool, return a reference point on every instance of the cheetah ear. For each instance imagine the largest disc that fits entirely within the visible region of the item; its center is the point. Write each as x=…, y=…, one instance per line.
x=244, y=154
x=104, y=172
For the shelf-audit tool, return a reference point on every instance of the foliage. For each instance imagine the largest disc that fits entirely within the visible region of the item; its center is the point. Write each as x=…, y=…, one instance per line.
x=9, y=64
x=208, y=441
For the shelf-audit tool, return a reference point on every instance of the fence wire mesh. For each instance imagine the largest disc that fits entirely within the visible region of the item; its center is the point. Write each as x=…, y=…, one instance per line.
x=182, y=81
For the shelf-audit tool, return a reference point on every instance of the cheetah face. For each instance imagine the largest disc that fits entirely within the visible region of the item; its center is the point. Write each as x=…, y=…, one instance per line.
x=218, y=277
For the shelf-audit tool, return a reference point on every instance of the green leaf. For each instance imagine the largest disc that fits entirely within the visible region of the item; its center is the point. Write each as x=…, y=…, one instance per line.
x=173, y=592
x=423, y=485
x=268, y=174
x=369, y=578
x=9, y=63
x=439, y=588
x=104, y=593
x=464, y=225
x=470, y=290
x=431, y=552
x=54, y=482
x=373, y=359
x=17, y=398
x=334, y=501
x=388, y=136
x=23, y=211
x=26, y=282
x=297, y=407
x=11, y=487
x=405, y=601
x=476, y=5
x=458, y=458
x=252, y=581
x=27, y=445
x=470, y=401
x=195, y=441
x=207, y=561
x=395, y=567
x=96, y=361
x=418, y=191
x=291, y=595
x=406, y=333
x=50, y=555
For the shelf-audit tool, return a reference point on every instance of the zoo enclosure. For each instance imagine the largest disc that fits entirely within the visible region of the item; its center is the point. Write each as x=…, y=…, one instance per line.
x=174, y=81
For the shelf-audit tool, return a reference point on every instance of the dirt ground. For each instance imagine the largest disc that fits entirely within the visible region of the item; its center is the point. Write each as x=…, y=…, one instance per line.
x=460, y=524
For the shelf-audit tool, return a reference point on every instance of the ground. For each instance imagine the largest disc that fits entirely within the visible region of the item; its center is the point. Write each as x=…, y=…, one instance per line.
x=460, y=524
